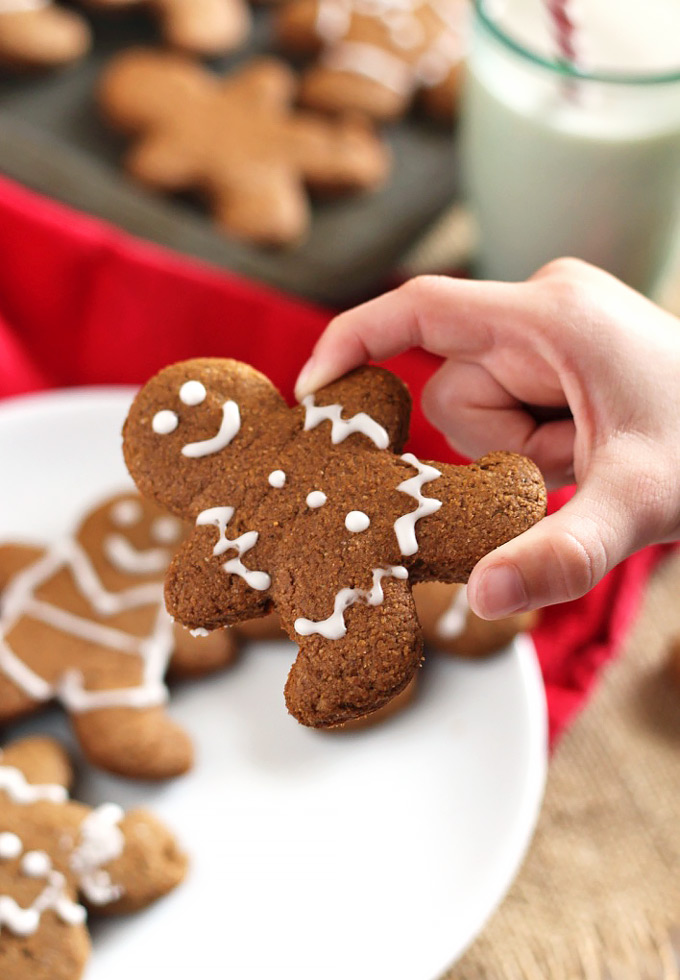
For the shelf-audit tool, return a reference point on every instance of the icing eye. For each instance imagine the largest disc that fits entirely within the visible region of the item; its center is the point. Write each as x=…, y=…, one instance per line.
x=126, y=513
x=10, y=846
x=317, y=498
x=277, y=479
x=192, y=393
x=164, y=422
x=36, y=864
x=357, y=521
x=165, y=530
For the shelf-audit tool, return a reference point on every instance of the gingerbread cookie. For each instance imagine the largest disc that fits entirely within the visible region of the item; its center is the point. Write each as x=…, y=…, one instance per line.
x=202, y=27
x=450, y=625
x=237, y=140
x=56, y=853
x=378, y=56
x=313, y=511
x=40, y=34
x=84, y=622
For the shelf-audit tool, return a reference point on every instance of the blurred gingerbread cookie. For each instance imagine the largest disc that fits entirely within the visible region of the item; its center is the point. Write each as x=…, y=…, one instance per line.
x=56, y=853
x=202, y=27
x=378, y=56
x=84, y=623
x=449, y=624
x=236, y=139
x=40, y=34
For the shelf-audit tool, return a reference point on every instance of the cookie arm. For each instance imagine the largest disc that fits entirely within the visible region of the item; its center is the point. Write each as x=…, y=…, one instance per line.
x=150, y=866
x=200, y=592
x=483, y=505
x=335, y=680
x=41, y=759
x=14, y=558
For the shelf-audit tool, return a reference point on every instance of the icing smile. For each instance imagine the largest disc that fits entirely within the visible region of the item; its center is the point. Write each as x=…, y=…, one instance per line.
x=126, y=558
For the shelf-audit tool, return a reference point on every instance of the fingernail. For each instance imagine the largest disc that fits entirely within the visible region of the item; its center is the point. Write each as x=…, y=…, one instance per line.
x=305, y=382
x=501, y=592
x=313, y=376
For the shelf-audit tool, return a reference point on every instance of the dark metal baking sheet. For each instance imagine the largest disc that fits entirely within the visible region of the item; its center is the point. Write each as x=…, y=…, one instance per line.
x=52, y=139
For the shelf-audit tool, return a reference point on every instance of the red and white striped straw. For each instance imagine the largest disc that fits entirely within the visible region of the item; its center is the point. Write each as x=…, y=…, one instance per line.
x=565, y=30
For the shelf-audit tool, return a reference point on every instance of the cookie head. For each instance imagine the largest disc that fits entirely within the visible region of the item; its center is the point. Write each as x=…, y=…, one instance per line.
x=191, y=420
x=132, y=536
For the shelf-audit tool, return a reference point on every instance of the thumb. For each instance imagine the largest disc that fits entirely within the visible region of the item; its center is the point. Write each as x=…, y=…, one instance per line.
x=562, y=557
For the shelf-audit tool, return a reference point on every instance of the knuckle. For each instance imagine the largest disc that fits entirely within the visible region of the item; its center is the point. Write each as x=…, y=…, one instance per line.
x=579, y=557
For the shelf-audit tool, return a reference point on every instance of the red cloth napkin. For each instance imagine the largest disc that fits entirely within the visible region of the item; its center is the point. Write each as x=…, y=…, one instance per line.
x=82, y=303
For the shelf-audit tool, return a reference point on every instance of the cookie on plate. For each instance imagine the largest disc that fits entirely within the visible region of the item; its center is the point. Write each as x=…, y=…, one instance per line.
x=41, y=34
x=378, y=56
x=237, y=140
x=450, y=625
x=314, y=511
x=56, y=853
x=83, y=622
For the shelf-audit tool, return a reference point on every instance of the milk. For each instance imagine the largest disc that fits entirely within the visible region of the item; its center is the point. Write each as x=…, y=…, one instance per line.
x=588, y=168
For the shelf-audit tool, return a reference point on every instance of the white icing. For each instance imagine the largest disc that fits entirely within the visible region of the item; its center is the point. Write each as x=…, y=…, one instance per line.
x=19, y=601
x=165, y=422
x=230, y=425
x=417, y=57
x=219, y=517
x=192, y=393
x=277, y=479
x=405, y=527
x=125, y=513
x=373, y=62
x=357, y=521
x=16, y=786
x=101, y=841
x=333, y=628
x=10, y=846
x=199, y=631
x=452, y=622
x=36, y=864
x=124, y=557
x=166, y=530
x=342, y=428
x=317, y=498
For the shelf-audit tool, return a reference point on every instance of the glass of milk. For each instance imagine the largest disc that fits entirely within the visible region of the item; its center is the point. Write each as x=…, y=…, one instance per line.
x=575, y=157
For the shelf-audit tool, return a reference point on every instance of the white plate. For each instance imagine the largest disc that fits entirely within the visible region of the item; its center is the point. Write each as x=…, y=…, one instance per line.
x=314, y=856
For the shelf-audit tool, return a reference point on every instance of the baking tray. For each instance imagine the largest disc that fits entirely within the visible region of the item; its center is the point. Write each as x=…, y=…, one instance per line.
x=53, y=140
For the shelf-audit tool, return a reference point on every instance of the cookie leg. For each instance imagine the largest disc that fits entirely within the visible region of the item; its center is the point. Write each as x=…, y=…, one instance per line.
x=194, y=656
x=140, y=743
x=335, y=680
x=54, y=952
x=205, y=27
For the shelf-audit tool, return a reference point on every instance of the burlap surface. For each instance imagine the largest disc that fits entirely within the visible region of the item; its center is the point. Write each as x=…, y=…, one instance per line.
x=598, y=897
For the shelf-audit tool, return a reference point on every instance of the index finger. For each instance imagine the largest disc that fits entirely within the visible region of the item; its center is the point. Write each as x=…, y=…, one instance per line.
x=441, y=314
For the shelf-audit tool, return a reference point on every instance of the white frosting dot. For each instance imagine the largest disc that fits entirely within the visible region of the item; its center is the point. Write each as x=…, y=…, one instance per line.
x=199, y=631
x=164, y=422
x=277, y=478
x=356, y=521
x=165, y=530
x=10, y=846
x=317, y=498
x=192, y=393
x=126, y=512
x=36, y=864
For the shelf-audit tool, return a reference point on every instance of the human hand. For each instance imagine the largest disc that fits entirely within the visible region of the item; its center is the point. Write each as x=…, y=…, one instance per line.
x=570, y=368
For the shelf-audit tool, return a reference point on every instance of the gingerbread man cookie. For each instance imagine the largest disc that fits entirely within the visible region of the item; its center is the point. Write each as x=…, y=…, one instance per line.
x=378, y=56
x=40, y=34
x=451, y=626
x=237, y=140
x=84, y=622
x=313, y=511
x=56, y=853
x=203, y=27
